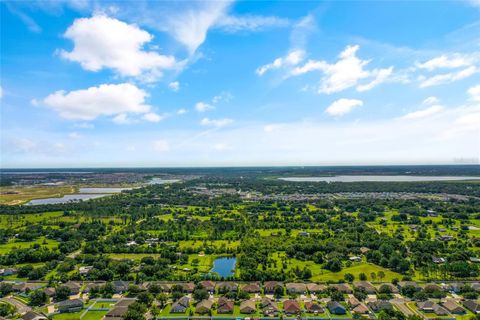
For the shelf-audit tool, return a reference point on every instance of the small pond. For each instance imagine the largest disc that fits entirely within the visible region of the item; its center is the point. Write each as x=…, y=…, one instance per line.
x=224, y=266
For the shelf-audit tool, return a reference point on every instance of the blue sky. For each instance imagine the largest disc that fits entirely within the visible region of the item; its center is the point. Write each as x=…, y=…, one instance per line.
x=97, y=83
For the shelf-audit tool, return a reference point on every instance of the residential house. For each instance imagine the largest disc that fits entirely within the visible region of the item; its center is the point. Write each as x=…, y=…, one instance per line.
x=204, y=306
x=225, y=305
x=403, y=284
x=181, y=305
x=355, y=259
x=26, y=286
x=252, y=288
x=438, y=260
x=116, y=312
x=313, y=307
x=379, y=305
x=360, y=309
x=364, y=250
x=452, y=307
x=248, y=307
x=165, y=287
x=336, y=307
x=32, y=315
x=445, y=237
x=430, y=287
x=269, y=286
x=431, y=307
x=50, y=292
x=393, y=288
x=208, y=285
x=72, y=305
x=188, y=287
x=364, y=286
x=227, y=286
x=472, y=306
x=120, y=286
x=296, y=288
x=269, y=307
x=90, y=285
x=342, y=287
x=353, y=302
x=8, y=271
x=291, y=307
x=84, y=270
x=73, y=286
x=316, y=288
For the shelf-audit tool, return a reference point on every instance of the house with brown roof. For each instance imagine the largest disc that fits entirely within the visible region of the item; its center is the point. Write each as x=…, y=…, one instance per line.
x=296, y=288
x=342, y=287
x=269, y=286
x=208, y=285
x=353, y=302
x=225, y=305
x=226, y=286
x=316, y=288
x=49, y=291
x=188, y=287
x=364, y=286
x=252, y=287
x=269, y=307
x=379, y=305
x=248, y=307
x=116, y=312
x=313, y=307
x=32, y=315
x=204, y=306
x=452, y=307
x=291, y=307
x=360, y=309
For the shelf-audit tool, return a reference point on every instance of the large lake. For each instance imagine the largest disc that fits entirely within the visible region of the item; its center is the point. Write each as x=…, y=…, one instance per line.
x=66, y=198
x=224, y=266
x=163, y=181
x=362, y=178
x=85, y=194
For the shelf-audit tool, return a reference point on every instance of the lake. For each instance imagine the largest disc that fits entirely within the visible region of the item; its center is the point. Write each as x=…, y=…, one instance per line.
x=163, y=181
x=372, y=178
x=65, y=199
x=224, y=266
x=103, y=190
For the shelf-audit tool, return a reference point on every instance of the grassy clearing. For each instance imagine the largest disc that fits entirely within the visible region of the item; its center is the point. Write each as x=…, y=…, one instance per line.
x=196, y=244
x=11, y=245
x=21, y=195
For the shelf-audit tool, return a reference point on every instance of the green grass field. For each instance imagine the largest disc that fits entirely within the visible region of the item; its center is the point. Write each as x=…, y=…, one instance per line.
x=21, y=195
x=44, y=242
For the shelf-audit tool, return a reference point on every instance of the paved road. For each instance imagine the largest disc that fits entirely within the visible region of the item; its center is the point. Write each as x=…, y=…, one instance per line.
x=21, y=307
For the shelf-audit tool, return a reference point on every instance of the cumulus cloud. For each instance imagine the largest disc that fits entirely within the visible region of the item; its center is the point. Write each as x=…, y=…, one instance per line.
x=292, y=58
x=202, y=106
x=152, y=117
x=181, y=111
x=343, y=106
x=474, y=93
x=380, y=76
x=121, y=118
x=104, y=100
x=103, y=42
x=217, y=123
x=174, y=86
x=430, y=111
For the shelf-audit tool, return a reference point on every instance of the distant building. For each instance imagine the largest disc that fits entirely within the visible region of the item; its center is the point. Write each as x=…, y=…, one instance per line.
x=73, y=305
x=181, y=305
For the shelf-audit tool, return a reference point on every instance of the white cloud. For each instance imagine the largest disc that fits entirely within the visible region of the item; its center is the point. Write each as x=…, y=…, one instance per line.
x=381, y=75
x=84, y=125
x=291, y=59
x=217, y=123
x=190, y=27
x=345, y=73
x=104, y=42
x=174, y=86
x=430, y=111
x=224, y=96
x=448, y=62
x=181, y=111
x=447, y=77
x=74, y=135
x=474, y=93
x=104, y=100
x=121, y=118
x=161, y=145
x=202, y=106
x=430, y=101
x=343, y=106
x=152, y=117
x=250, y=23
x=1, y=92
